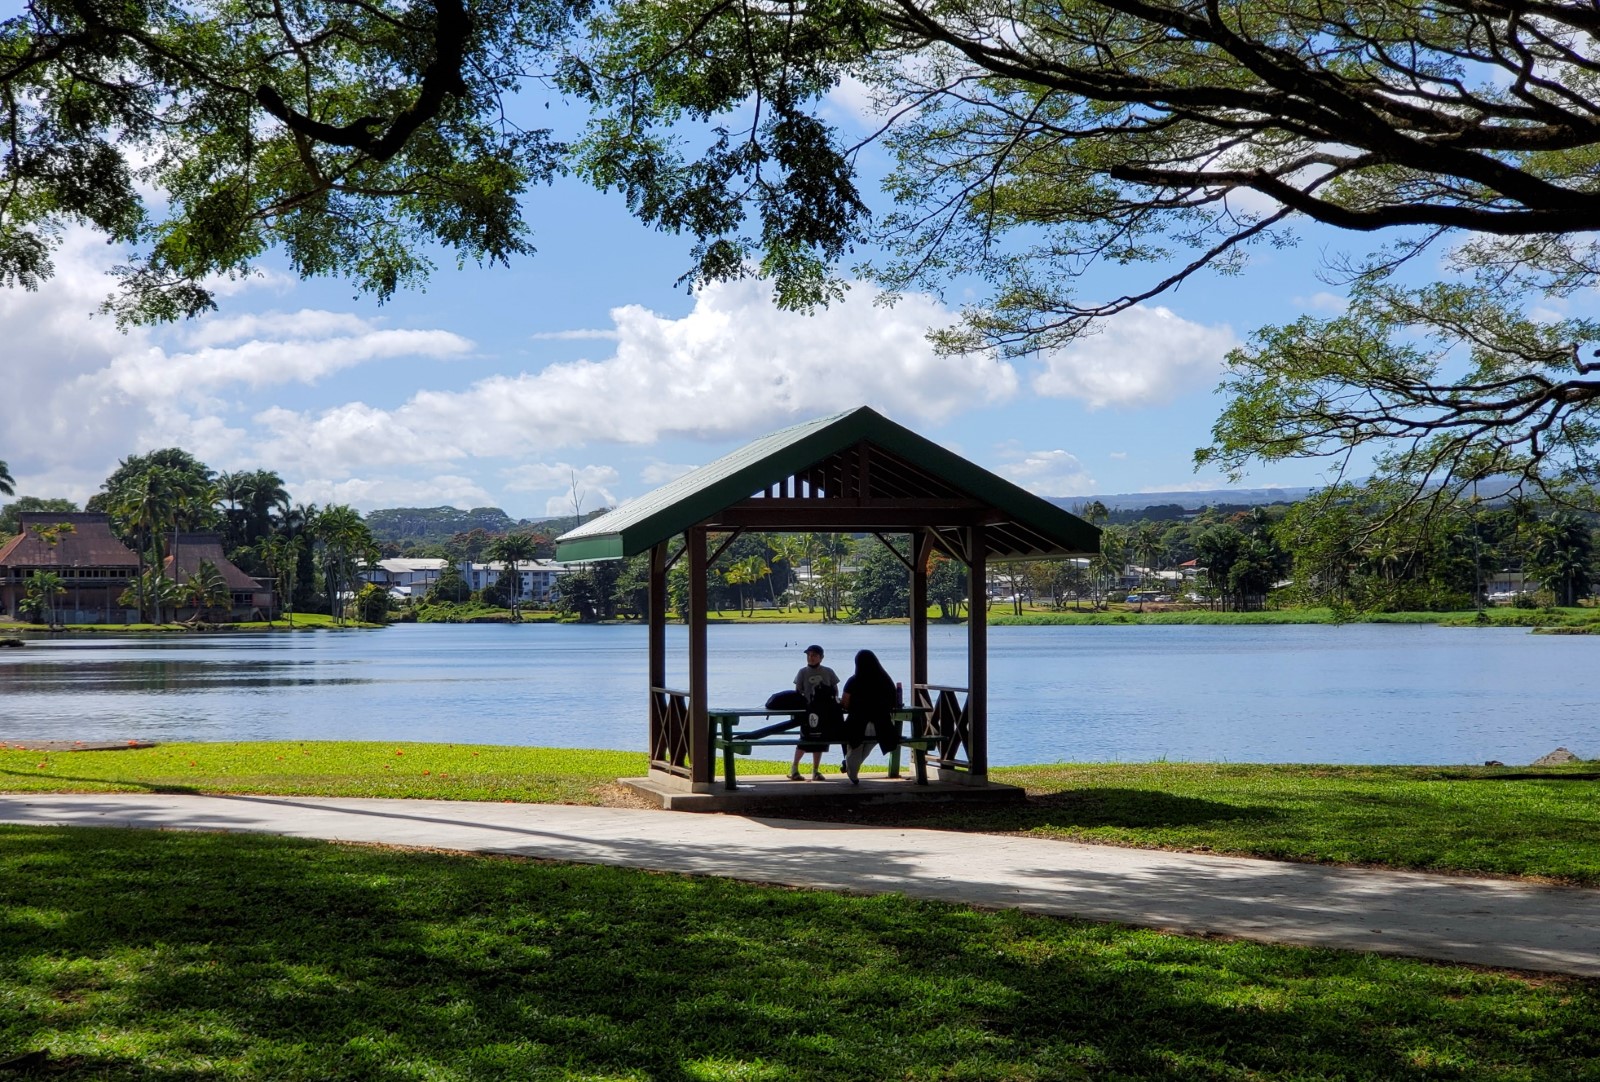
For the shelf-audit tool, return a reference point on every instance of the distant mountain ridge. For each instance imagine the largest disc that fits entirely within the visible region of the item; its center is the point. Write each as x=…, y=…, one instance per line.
x=411, y=526
x=436, y=525
x=1190, y=501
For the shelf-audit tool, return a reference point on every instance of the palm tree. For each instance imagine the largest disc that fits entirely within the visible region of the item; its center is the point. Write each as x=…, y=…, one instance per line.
x=794, y=549
x=282, y=556
x=145, y=503
x=1147, y=542
x=347, y=545
x=511, y=550
x=263, y=500
x=206, y=589
x=7, y=482
x=44, y=589
x=230, y=490
x=751, y=569
x=1563, y=549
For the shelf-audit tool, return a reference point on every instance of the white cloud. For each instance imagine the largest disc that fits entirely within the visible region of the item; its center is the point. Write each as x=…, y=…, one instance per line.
x=734, y=366
x=309, y=345
x=1118, y=456
x=365, y=494
x=659, y=473
x=856, y=101
x=573, y=336
x=1322, y=301
x=1047, y=473
x=1144, y=356
x=591, y=487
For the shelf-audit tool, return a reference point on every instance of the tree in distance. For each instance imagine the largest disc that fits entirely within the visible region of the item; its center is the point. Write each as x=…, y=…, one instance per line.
x=1037, y=143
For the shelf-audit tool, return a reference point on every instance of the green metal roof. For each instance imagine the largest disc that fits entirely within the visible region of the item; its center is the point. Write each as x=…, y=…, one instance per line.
x=1021, y=525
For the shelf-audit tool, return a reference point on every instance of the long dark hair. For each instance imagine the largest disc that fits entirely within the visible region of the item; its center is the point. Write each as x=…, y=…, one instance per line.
x=869, y=670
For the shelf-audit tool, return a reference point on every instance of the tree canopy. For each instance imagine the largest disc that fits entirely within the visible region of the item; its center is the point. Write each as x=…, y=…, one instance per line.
x=1039, y=144
x=351, y=135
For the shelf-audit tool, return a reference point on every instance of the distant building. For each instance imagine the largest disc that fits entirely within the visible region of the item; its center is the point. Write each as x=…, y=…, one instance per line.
x=94, y=567
x=1503, y=587
x=251, y=597
x=540, y=578
x=405, y=578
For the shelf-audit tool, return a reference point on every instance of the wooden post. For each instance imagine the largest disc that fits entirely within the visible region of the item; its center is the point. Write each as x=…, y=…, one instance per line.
x=703, y=770
x=658, y=632
x=977, y=654
x=921, y=549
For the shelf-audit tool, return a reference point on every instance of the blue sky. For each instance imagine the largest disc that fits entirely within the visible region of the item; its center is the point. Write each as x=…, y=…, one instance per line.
x=500, y=386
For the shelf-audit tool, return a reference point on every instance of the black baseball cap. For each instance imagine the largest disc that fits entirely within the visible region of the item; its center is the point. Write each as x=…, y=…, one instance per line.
x=815, y=649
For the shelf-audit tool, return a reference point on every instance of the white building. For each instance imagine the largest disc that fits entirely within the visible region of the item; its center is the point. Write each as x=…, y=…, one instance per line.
x=405, y=578
x=540, y=578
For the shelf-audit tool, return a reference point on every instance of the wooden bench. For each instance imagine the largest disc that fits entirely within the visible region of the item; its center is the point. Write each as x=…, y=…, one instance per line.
x=731, y=741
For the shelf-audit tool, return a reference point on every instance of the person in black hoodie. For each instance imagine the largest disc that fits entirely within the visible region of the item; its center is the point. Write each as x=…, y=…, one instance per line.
x=868, y=699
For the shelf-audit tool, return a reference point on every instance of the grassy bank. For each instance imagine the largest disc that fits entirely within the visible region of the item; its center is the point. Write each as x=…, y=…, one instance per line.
x=131, y=954
x=303, y=621
x=1582, y=620
x=1541, y=823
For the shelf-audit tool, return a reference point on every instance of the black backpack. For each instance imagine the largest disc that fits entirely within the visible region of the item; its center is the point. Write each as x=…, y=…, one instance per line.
x=825, y=719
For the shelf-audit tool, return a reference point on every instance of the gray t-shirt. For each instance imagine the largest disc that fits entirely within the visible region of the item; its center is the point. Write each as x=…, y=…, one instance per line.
x=810, y=678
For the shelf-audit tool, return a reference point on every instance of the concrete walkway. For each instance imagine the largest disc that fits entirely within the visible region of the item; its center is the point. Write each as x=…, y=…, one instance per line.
x=1486, y=922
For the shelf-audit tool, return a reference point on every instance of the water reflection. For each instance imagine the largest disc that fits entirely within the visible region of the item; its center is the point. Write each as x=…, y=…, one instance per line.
x=1359, y=693
x=111, y=677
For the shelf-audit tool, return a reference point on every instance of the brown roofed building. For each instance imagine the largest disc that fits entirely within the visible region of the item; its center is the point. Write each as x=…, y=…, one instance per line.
x=95, y=568
x=252, y=598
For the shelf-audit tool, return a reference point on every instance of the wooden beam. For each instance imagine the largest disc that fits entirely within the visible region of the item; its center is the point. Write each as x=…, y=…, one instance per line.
x=837, y=516
x=702, y=768
x=978, y=655
x=915, y=503
x=658, y=615
x=906, y=562
x=921, y=549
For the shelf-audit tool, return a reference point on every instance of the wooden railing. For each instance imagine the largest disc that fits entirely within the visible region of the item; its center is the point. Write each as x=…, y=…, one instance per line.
x=948, y=719
x=669, y=731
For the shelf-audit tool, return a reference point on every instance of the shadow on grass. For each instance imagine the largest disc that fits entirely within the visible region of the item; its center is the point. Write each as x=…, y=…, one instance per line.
x=1097, y=806
x=195, y=956
x=102, y=784
x=1591, y=776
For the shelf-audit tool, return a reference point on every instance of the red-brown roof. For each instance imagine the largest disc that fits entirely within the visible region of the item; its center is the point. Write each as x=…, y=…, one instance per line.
x=191, y=549
x=89, y=543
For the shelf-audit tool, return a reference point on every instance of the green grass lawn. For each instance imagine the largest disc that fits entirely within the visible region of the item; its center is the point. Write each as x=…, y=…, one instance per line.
x=156, y=955
x=303, y=621
x=331, y=768
x=1543, y=823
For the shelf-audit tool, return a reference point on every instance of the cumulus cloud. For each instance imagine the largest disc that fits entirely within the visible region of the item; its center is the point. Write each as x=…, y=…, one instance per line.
x=1046, y=473
x=1144, y=356
x=659, y=473
x=298, y=348
x=590, y=486
x=365, y=494
x=734, y=366
x=544, y=476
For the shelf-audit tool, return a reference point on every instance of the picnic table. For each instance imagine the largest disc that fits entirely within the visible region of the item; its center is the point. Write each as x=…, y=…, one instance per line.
x=732, y=741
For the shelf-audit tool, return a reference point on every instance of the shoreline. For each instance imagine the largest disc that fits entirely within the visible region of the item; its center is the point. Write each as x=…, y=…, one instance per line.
x=1570, y=621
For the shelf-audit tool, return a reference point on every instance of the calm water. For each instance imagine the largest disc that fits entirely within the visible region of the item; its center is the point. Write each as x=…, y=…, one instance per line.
x=1358, y=693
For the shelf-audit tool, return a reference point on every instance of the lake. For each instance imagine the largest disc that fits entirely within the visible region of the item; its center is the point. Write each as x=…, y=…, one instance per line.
x=1357, y=693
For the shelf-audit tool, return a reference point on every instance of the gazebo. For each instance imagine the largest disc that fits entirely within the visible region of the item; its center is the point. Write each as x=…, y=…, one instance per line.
x=854, y=472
